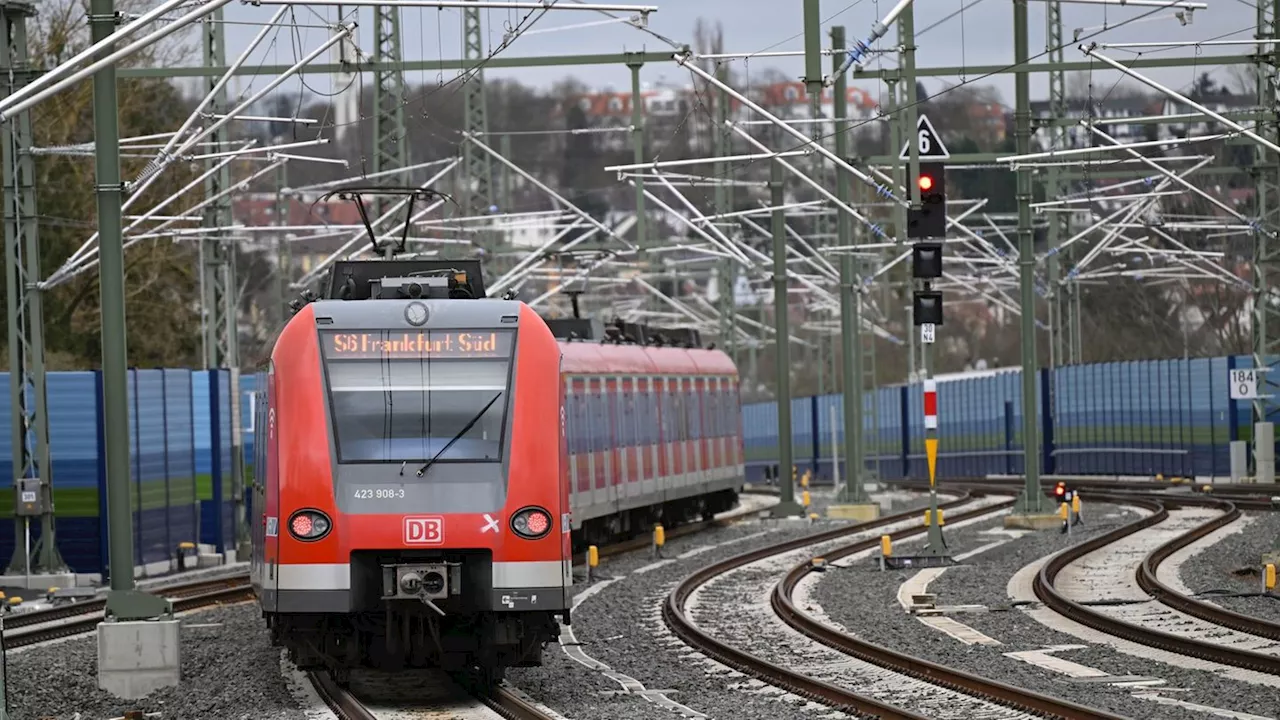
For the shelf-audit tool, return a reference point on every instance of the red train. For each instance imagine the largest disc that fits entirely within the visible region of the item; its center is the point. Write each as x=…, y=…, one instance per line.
x=419, y=446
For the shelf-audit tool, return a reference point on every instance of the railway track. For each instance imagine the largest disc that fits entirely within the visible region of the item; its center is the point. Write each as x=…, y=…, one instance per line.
x=682, y=625
x=81, y=617
x=503, y=702
x=1147, y=579
x=967, y=683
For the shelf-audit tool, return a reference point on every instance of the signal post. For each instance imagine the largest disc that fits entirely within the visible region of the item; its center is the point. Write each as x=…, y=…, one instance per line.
x=927, y=227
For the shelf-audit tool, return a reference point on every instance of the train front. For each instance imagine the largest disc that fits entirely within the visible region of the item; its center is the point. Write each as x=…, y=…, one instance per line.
x=437, y=522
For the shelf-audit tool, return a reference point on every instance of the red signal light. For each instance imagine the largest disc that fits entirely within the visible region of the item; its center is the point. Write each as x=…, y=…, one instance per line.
x=1060, y=490
x=926, y=182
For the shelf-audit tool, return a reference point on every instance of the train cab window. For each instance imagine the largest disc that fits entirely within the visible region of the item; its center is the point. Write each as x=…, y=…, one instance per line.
x=389, y=404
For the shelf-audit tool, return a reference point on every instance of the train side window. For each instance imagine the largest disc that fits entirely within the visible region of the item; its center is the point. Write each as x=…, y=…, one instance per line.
x=641, y=406
x=614, y=421
x=597, y=415
x=682, y=419
x=725, y=412
x=696, y=386
x=588, y=427
x=629, y=412
x=573, y=421
x=713, y=407
x=650, y=427
x=669, y=425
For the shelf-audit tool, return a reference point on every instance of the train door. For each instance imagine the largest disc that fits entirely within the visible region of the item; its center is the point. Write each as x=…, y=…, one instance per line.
x=258, y=525
x=271, y=503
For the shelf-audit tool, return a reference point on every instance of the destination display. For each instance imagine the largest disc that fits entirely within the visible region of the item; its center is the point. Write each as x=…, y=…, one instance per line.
x=426, y=344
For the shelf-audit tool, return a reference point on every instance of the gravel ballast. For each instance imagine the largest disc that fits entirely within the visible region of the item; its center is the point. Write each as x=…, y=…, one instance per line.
x=1232, y=566
x=863, y=600
x=229, y=672
x=621, y=626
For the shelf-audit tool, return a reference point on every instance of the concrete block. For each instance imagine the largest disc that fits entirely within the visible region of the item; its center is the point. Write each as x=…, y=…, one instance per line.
x=860, y=512
x=1032, y=521
x=137, y=658
x=208, y=560
x=41, y=582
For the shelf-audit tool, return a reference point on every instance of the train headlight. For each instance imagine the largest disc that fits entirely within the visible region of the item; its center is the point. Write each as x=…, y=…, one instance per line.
x=309, y=525
x=531, y=523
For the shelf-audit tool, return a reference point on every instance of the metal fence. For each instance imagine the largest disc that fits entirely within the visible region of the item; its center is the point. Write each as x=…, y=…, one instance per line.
x=1137, y=418
x=180, y=453
x=1172, y=417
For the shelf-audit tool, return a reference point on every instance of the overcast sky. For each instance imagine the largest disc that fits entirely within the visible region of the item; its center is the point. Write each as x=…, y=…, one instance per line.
x=981, y=34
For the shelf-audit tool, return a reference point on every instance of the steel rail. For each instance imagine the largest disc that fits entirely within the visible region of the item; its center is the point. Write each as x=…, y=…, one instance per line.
x=1149, y=581
x=505, y=700
x=98, y=604
x=1043, y=585
x=87, y=622
x=837, y=697
x=931, y=672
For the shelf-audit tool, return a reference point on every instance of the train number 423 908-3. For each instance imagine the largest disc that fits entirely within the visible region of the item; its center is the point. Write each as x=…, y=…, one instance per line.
x=379, y=493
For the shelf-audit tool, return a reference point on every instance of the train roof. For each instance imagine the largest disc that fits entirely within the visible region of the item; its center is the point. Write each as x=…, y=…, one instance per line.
x=589, y=358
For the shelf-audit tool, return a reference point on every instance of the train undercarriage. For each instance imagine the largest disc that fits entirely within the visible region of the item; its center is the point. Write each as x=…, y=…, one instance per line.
x=638, y=521
x=402, y=637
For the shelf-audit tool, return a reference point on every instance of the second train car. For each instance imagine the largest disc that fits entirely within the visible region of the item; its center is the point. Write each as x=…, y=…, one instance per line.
x=655, y=434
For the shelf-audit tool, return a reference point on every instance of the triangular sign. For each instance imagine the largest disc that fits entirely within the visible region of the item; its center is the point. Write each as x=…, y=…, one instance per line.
x=928, y=141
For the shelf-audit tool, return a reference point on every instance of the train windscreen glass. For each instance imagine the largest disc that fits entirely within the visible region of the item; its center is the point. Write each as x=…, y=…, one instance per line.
x=404, y=397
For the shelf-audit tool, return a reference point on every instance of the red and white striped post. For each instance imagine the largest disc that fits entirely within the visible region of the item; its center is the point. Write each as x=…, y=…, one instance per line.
x=931, y=426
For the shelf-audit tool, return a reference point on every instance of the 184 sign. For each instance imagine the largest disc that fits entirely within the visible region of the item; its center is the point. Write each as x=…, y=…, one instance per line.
x=1243, y=384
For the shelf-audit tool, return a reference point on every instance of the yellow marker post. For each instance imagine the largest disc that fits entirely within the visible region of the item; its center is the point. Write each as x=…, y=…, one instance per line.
x=593, y=560
x=804, y=498
x=1269, y=577
x=931, y=452
x=886, y=549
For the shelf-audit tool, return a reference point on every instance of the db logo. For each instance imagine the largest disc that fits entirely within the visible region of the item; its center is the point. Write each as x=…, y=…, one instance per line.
x=423, y=530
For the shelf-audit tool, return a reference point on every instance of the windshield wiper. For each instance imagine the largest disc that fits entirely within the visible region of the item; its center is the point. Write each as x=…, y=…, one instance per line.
x=465, y=429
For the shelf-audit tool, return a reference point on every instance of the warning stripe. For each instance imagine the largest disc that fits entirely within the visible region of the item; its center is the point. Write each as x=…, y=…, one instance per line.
x=930, y=405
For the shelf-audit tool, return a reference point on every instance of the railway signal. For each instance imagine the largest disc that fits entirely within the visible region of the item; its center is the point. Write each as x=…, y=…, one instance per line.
x=930, y=221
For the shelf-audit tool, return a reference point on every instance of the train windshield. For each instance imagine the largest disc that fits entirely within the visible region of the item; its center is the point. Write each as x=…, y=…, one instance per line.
x=404, y=397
